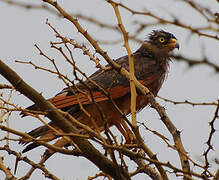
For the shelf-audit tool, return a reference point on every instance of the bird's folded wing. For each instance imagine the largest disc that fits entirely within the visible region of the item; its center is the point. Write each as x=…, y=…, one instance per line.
x=65, y=100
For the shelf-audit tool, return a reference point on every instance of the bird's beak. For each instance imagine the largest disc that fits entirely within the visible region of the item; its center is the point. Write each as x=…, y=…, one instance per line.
x=173, y=43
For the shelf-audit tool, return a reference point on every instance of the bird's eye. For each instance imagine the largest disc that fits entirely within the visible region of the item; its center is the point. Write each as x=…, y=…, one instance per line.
x=161, y=39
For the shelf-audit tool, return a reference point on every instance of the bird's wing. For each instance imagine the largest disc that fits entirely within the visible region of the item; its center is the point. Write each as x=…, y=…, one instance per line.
x=115, y=84
x=65, y=100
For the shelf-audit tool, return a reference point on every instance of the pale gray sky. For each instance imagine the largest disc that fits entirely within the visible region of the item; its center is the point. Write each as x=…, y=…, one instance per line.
x=20, y=29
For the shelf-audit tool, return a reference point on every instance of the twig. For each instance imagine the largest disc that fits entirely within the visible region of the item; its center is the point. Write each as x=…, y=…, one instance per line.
x=5, y=86
x=99, y=175
x=189, y=102
x=165, y=119
x=209, y=143
x=6, y=170
x=164, y=21
x=28, y=161
x=85, y=146
x=131, y=63
x=143, y=167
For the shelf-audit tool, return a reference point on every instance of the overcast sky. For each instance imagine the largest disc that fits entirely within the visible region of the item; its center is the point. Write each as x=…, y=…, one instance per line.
x=20, y=29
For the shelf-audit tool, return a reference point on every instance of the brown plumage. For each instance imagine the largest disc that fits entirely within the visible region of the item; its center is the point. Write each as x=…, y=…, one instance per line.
x=151, y=62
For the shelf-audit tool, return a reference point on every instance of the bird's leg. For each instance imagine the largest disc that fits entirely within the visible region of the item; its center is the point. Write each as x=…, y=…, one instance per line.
x=130, y=134
x=122, y=131
x=126, y=132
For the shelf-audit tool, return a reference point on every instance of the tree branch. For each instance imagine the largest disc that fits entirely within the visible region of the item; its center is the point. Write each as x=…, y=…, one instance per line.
x=85, y=146
x=165, y=119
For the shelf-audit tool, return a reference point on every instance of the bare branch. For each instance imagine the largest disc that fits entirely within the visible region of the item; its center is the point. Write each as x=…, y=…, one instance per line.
x=86, y=147
x=6, y=170
x=209, y=143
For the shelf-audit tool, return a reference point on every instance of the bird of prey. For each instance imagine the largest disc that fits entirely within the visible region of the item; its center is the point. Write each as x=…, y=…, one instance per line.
x=151, y=62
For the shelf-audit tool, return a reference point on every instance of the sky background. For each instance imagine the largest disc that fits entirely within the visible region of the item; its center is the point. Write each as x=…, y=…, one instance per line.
x=20, y=29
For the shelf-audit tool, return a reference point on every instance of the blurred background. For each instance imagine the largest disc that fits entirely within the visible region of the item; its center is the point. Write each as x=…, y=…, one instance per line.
x=193, y=74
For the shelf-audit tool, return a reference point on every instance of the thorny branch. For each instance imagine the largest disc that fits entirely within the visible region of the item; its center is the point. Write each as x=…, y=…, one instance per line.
x=205, y=31
x=47, y=173
x=131, y=63
x=88, y=150
x=208, y=31
x=5, y=86
x=189, y=102
x=60, y=75
x=175, y=133
x=209, y=142
x=6, y=170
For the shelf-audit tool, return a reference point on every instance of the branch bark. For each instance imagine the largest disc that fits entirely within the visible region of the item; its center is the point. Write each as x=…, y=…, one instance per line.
x=131, y=63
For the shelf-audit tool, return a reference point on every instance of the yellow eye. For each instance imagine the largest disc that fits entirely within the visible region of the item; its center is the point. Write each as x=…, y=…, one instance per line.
x=161, y=39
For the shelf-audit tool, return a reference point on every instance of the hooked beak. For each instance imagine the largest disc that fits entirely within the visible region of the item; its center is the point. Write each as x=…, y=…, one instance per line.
x=173, y=43
x=177, y=46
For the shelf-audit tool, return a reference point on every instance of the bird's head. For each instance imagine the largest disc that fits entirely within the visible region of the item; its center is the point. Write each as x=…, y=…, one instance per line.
x=160, y=42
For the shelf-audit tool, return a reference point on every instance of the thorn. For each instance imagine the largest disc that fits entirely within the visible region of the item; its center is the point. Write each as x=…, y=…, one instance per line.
x=154, y=157
x=164, y=107
x=85, y=32
x=96, y=42
x=178, y=132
